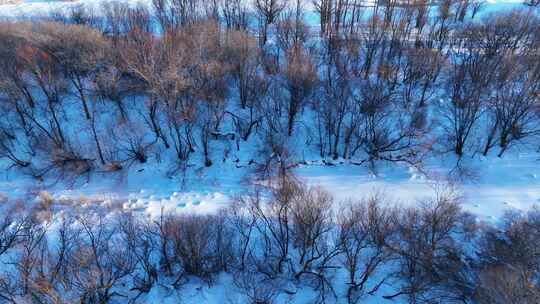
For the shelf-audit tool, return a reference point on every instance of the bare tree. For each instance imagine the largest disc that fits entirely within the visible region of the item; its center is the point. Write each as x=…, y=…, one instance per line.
x=513, y=111
x=468, y=78
x=335, y=108
x=512, y=106
x=79, y=51
x=504, y=284
x=265, y=291
x=509, y=267
x=432, y=263
x=139, y=237
x=173, y=14
x=99, y=264
x=300, y=80
x=268, y=12
x=365, y=228
x=292, y=237
x=235, y=14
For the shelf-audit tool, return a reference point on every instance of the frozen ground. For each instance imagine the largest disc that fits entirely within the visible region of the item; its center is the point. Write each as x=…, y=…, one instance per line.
x=492, y=186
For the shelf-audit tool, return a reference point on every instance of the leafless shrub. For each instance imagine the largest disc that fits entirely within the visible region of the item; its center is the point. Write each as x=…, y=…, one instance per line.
x=268, y=12
x=275, y=158
x=364, y=230
x=63, y=164
x=509, y=265
x=300, y=79
x=81, y=259
x=77, y=14
x=193, y=245
x=12, y=229
x=99, y=263
x=243, y=56
x=290, y=237
x=315, y=241
x=25, y=263
x=174, y=14
x=132, y=143
x=432, y=260
x=242, y=223
x=140, y=239
x=263, y=292
x=505, y=284
x=236, y=14
x=43, y=268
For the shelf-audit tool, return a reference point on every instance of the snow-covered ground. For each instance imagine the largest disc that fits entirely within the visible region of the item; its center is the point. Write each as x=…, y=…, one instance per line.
x=494, y=184
x=491, y=186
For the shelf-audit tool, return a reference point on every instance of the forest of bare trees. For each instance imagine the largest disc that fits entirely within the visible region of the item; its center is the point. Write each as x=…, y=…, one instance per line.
x=85, y=90
x=290, y=241
x=189, y=81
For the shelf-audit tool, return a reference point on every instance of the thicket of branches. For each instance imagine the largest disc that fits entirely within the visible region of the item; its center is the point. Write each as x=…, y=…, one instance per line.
x=85, y=90
x=274, y=243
